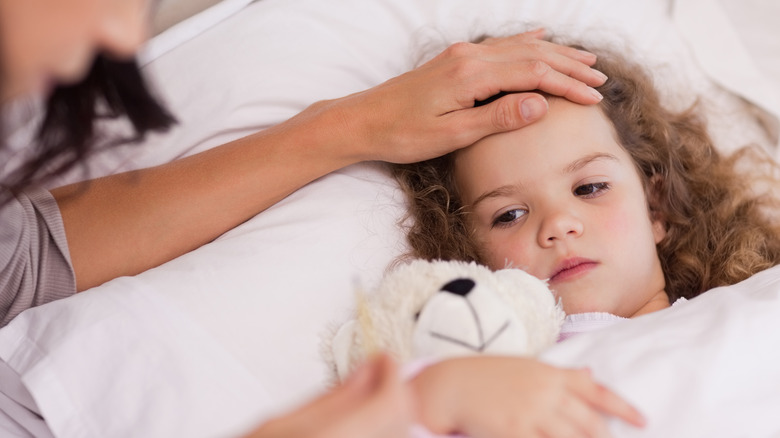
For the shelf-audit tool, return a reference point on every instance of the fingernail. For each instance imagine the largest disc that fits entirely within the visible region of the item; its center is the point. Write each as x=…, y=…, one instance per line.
x=596, y=94
x=587, y=54
x=601, y=75
x=533, y=108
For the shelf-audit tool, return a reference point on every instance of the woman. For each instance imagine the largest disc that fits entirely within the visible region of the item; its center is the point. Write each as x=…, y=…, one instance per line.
x=55, y=243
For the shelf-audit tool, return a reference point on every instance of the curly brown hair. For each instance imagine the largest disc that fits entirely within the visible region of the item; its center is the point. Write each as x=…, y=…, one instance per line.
x=719, y=224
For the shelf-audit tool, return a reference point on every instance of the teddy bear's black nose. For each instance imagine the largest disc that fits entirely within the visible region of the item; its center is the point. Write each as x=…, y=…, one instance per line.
x=461, y=286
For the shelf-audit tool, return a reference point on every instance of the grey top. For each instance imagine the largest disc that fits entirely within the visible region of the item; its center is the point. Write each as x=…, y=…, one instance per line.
x=35, y=265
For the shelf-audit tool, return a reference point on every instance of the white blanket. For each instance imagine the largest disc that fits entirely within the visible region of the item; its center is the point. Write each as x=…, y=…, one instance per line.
x=703, y=368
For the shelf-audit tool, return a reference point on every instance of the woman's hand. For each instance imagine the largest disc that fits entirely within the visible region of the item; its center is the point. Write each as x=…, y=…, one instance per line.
x=372, y=403
x=430, y=111
x=515, y=397
x=127, y=223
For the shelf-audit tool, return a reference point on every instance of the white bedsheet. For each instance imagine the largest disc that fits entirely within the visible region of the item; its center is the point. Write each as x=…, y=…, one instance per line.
x=216, y=340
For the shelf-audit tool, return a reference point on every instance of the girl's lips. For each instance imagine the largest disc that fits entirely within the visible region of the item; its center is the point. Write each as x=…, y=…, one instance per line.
x=571, y=269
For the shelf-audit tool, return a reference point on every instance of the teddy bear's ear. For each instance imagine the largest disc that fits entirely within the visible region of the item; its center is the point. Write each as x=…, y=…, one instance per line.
x=341, y=348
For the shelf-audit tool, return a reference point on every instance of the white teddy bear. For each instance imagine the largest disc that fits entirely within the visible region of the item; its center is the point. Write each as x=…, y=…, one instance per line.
x=434, y=310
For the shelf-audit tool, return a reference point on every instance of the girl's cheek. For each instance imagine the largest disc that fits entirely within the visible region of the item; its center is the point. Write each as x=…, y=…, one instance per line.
x=616, y=224
x=619, y=220
x=506, y=253
x=496, y=254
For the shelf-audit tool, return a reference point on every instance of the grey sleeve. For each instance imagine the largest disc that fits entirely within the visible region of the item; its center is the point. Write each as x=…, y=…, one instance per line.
x=35, y=265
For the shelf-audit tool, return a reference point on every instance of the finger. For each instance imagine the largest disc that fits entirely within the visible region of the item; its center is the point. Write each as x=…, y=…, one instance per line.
x=541, y=76
x=585, y=419
x=371, y=404
x=580, y=55
x=559, y=427
x=378, y=375
x=561, y=63
x=386, y=374
x=359, y=385
x=606, y=401
x=575, y=69
x=527, y=64
x=519, y=38
x=385, y=408
x=537, y=33
x=538, y=75
x=510, y=112
x=532, y=42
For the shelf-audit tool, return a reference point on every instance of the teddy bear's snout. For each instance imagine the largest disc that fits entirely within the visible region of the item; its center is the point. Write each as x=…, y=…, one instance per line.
x=466, y=318
x=461, y=286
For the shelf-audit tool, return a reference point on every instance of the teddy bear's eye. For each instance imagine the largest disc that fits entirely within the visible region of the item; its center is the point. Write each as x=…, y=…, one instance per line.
x=416, y=316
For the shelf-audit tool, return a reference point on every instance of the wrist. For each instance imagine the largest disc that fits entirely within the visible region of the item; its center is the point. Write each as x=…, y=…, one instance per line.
x=342, y=128
x=437, y=403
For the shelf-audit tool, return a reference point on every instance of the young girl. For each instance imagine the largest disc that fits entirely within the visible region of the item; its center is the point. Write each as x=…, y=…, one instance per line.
x=624, y=206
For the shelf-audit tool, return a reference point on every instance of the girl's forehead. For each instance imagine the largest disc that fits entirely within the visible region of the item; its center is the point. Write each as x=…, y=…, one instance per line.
x=568, y=129
x=568, y=135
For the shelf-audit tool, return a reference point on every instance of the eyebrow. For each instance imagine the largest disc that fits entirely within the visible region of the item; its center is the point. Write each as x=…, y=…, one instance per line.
x=572, y=167
x=496, y=193
x=584, y=161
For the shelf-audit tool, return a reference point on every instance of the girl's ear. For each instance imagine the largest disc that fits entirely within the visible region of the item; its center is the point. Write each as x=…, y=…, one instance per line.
x=654, y=191
x=659, y=230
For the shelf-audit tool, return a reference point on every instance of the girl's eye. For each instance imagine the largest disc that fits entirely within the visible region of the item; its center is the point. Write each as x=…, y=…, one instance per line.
x=591, y=190
x=509, y=217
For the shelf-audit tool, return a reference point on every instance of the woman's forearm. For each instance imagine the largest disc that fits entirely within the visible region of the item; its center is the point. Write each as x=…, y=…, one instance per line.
x=126, y=223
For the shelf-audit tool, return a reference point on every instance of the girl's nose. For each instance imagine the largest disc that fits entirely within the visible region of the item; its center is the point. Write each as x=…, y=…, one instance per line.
x=559, y=226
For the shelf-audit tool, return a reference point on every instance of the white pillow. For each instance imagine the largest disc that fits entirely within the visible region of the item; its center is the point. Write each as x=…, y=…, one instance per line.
x=177, y=21
x=216, y=340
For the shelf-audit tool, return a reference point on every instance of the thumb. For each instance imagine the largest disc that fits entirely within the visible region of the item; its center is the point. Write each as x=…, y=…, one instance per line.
x=514, y=111
x=508, y=113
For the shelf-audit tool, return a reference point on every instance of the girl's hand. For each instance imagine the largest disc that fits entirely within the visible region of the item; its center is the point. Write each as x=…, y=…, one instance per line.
x=430, y=111
x=372, y=403
x=515, y=397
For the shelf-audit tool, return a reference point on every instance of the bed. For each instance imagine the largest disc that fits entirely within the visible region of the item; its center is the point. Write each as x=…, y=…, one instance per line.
x=215, y=341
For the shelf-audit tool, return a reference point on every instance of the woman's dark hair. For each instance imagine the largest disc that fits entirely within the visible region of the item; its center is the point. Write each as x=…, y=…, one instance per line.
x=68, y=132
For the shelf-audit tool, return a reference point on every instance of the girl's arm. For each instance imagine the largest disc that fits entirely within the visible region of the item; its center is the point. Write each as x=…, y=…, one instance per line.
x=515, y=397
x=127, y=223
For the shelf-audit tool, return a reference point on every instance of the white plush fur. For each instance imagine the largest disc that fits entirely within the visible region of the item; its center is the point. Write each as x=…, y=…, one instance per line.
x=407, y=315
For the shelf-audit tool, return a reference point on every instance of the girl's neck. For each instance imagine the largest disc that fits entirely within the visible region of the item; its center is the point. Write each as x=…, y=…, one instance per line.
x=658, y=302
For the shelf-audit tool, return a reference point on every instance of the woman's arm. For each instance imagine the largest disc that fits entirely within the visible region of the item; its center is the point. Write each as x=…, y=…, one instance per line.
x=127, y=223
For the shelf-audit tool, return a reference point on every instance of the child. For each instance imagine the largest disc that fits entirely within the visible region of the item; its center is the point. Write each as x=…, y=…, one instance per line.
x=624, y=206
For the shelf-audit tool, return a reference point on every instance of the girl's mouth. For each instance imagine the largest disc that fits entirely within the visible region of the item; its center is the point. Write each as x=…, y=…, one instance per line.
x=571, y=269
